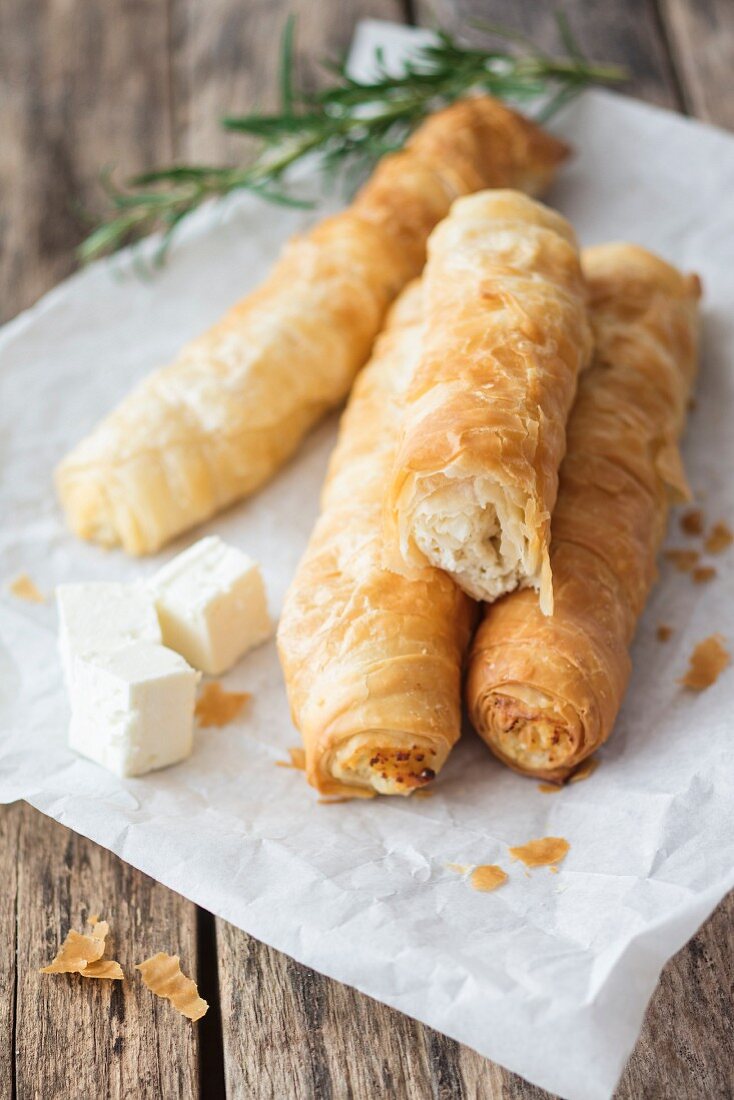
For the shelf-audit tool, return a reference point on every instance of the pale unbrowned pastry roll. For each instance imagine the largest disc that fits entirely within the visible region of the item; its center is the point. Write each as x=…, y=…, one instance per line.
x=544, y=692
x=372, y=661
x=506, y=333
x=224, y=416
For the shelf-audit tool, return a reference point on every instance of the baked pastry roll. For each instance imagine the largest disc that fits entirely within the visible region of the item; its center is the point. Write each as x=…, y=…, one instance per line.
x=220, y=420
x=372, y=661
x=544, y=692
x=484, y=431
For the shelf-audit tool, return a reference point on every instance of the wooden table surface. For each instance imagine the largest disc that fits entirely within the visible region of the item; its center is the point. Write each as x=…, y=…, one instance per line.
x=138, y=83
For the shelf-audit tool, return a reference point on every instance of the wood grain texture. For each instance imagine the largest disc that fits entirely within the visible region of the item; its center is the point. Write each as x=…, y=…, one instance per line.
x=626, y=32
x=9, y=830
x=701, y=37
x=83, y=86
x=76, y=1037
x=224, y=60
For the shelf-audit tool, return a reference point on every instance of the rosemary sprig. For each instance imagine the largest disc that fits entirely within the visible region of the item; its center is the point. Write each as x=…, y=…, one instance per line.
x=347, y=125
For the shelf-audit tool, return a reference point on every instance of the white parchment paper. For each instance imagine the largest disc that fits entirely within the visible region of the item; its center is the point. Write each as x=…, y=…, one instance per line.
x=550, y=975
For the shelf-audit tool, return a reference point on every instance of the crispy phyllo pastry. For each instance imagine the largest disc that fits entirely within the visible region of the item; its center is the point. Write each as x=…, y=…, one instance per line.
x=506, y=334
x=220, y=420
x=544, y=692
x=372, y=660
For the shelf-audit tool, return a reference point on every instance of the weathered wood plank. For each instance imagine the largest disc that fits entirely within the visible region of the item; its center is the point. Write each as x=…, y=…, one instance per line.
x=701, y=36
x=626, y=32
x=9, y=827
x=225, y=60
x=82, y=86
x=76, y=1036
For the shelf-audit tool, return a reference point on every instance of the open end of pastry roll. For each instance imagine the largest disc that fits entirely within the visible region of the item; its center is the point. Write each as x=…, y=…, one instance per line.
x=506, y=333
x=475, y=530
x=385, y=761
x=544, y=692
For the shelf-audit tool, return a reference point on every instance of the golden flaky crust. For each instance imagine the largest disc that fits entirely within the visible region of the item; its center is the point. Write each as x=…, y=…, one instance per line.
x=219, y=421
x=506, y=334
x=544, y=692
x=372, y=661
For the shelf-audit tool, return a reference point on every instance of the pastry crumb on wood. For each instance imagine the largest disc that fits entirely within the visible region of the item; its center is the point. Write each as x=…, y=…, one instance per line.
x=707, y=662
x=163, y=976
x=216, y=707
x=24, y=587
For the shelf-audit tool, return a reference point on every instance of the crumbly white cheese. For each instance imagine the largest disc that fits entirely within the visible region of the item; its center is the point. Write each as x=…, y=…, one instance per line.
x=211, y=605
x=133, y=707
x=101, y=617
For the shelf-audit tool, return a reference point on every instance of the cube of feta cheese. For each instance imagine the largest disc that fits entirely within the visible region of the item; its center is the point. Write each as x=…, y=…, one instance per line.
x=101, y=617
x=211, y=605
x=133, y=707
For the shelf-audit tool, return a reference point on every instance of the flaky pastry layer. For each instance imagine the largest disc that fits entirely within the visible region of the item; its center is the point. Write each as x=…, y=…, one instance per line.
x=506, y=334
x=372, y=660
x=544, y=693
x=224, y=416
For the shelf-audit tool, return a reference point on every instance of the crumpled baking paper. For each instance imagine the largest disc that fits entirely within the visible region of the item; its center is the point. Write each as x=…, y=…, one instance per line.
x=550, y=975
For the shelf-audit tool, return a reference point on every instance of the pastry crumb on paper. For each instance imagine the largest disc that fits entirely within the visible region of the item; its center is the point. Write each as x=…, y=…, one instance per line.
x=163, y=976
x=216, y=707
x=24, y=587
x=692, y=522
x=707, y=662
x=541, y=852
x=664, y=632
x=458, y=868
x=683, y=560
x=550, y=788
x=702, y=574
x=719, y=538
x=297, y=759
x=488, y=877
x=584, y=770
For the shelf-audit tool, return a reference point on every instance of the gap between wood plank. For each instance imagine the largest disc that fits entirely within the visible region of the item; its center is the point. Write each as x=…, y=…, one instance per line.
x=211, y=1042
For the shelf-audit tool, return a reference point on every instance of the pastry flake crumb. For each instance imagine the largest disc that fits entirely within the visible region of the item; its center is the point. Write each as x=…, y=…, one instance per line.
x=664, y=633
x=216, y=707
x=542, y=852
x=82, y=954
x=584, y=770
x=702, y=574
x=707, y=662
x=163, y=976
x=24, y=587
x=550, y=788
x=458, y=868
x=719, y=538
x=692, y=522
x=297, y=760
x=104, y=968
x=488, y=877
x=683, y=560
